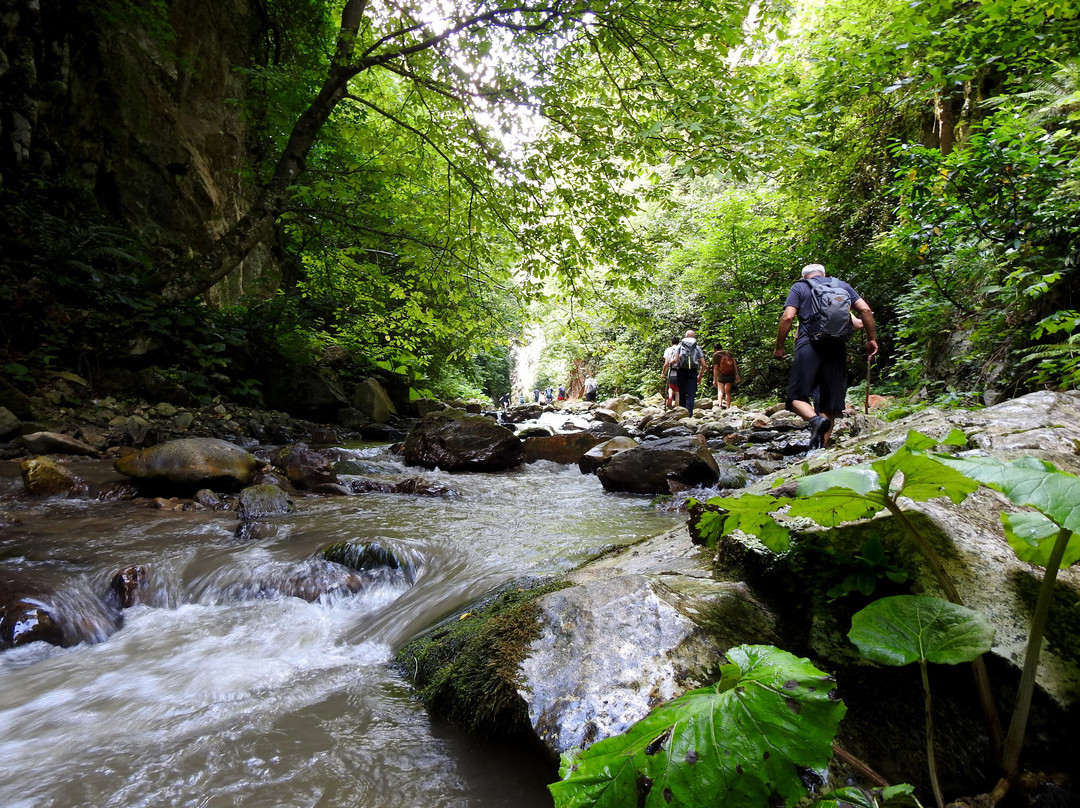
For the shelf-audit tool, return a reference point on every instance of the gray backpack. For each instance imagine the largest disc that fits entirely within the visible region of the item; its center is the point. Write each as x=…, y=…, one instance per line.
x=830, y=311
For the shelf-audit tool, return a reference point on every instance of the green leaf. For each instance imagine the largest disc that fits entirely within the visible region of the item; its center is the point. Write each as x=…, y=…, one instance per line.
x=739, y=742
x=751, y=513
x=1032, y=537
x=909, y=628
x=839, y=495
x=857, y=479
x=924, y=477
x=1028, y=481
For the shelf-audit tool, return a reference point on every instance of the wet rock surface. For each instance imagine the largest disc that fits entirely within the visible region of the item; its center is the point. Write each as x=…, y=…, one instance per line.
x=191, y=463
x=454, y=440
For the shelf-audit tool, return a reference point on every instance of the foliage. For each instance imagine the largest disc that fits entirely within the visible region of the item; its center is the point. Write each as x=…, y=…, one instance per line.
x=740, y=741
x=871, y=565
x=1047, y=537
x=841, y=495
x=904, y=629
x=915, y=628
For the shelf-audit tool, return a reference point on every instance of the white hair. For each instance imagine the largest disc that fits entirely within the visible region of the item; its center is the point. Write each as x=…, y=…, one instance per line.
x=810, y=269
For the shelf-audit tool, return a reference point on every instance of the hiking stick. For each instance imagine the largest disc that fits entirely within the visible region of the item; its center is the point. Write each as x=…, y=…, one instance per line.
x=866, y=402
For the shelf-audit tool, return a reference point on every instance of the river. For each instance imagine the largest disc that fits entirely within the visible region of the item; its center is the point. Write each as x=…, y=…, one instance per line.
x=219, y=694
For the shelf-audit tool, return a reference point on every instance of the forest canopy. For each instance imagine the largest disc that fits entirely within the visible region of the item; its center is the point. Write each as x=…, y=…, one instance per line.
x=438, y=178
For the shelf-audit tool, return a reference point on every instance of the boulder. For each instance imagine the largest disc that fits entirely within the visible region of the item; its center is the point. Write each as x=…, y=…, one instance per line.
x=257, y=501
x=535, y=431
x=382, y=433
x=646, y=469
x=9, y=422
x=605, y=416
x=422, y=406
x=457, y=441
x=42, y=476
x=371, y=398
x=304, y=467
x=561, y=448
x=606, y=430
x=523, y=412
x=191, y=464
x=601, y=453
x=620, y=405
x=612, y=649
x=55, y=443
x=577, y=660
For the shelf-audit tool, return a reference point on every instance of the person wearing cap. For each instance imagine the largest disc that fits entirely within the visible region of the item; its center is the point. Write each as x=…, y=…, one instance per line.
x=819, y=363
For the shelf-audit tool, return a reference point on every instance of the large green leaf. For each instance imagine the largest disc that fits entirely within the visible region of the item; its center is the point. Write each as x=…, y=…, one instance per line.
x=924, y=477
x=1032, y=537
x=738, y=742
x=1028, y=481
x=909, y=628
x=750, y=513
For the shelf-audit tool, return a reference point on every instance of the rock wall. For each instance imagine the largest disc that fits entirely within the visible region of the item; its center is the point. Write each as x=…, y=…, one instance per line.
x=140, y=116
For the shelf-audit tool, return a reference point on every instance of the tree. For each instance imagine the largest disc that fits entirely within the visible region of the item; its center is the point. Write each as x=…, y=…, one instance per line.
x=613, y=82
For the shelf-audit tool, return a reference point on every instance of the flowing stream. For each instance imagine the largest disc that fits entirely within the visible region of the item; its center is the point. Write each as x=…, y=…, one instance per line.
x=223, y=693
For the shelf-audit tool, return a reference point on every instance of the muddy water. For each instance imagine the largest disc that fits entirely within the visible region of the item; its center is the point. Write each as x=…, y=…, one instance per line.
x=221, y=692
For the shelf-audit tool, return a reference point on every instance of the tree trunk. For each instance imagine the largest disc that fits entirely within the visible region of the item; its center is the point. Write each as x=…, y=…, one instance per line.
x=194, y=277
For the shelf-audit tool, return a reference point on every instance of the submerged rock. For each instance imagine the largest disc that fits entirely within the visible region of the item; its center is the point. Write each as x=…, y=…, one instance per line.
x=369, y=556
x=65, y=614
x=45, y=477
x=257, y=501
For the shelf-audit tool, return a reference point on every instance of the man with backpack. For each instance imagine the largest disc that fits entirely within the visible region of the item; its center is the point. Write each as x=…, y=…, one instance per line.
x=823, y=306
x=690, y=366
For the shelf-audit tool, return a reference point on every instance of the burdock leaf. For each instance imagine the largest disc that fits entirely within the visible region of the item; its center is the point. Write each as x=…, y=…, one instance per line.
x=908, y=628
x=1032, y=537
x=1027, y=481
x=739, y=742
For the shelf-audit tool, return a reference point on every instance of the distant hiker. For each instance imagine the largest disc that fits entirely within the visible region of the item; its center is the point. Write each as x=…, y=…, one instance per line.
x=536, y=396
x=690, y=362
x=591, y=386
x=823, y=306
x=549, y=395
x=670, y=373
x=523, y=397
x=562, y=393
x=505, y=401
x=725, y=374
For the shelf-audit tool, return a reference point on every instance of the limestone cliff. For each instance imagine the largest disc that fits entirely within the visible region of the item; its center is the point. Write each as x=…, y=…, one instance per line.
x=137, y=109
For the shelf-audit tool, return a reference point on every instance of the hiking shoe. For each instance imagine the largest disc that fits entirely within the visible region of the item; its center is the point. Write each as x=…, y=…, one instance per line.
x=819, y=425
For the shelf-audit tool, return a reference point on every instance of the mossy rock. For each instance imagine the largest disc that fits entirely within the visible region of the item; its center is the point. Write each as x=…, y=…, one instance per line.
x=467, y=669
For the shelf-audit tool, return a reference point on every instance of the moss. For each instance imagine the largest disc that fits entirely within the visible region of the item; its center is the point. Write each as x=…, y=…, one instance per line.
x=466, y=670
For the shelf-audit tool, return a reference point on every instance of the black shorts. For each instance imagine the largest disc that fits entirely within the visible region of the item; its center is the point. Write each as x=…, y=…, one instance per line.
x=822, y=365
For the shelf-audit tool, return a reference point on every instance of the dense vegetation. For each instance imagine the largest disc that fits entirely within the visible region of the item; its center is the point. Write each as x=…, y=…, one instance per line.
x=435, y=179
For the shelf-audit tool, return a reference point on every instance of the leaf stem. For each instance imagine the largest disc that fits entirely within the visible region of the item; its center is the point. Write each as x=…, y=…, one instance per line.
x=1018, y=724
x=931, y=761
x=978, y=666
